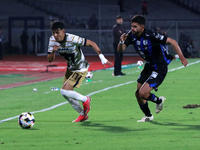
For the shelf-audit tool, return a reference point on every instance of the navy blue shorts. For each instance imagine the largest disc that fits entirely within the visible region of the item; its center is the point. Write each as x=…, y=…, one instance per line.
x=153, y=76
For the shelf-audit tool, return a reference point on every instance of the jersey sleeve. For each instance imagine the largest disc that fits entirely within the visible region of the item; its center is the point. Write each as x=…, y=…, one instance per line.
x=76, y=40
x=157, y=37
x=52, y=42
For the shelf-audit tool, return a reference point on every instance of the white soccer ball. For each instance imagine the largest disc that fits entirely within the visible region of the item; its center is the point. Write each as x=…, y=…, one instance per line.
x=26, y=120
x=176, y=56
x=89, y=75
x=139, y=63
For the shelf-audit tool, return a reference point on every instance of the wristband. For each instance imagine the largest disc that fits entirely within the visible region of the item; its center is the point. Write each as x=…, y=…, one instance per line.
x=121, y=42
x=103, y=59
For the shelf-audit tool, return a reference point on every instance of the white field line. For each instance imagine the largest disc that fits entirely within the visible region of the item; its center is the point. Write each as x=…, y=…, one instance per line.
x=108, y=88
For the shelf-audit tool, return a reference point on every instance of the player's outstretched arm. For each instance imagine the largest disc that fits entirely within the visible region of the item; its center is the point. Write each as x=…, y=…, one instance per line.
x=98, y=51
x=94, y=46
x=177, y=50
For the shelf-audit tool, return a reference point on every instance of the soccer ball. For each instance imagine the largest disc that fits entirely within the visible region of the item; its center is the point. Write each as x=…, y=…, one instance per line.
x=139, y=63
x=89, y=75
x=26, y=120
x=176, y=56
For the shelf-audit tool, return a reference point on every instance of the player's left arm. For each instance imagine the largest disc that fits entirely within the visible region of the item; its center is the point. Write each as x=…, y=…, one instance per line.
x=98, y=51
x=177, y=49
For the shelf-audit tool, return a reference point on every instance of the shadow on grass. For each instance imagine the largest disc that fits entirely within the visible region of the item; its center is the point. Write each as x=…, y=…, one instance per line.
x=186, y=127
x=108, y=128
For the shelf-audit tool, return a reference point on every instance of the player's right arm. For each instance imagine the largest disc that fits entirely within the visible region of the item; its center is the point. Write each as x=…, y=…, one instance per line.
x=51, y=56
x=52, y=48
x=121, y=46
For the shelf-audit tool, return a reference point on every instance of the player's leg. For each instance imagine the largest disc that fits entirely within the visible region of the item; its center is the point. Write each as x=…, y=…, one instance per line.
x=75, y=104
x=68, y=93
x=143, y=105
x=154, y=80
x=67, y=90
x=117, y=62
x=145, y=93
x=146, y=72
x=71, y=80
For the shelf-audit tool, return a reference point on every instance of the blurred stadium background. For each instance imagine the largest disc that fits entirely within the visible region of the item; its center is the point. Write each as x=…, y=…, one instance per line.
x=180, y=19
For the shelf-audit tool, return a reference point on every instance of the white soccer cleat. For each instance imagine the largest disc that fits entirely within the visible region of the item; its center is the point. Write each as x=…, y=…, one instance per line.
x=159, y=107
x=146, y=119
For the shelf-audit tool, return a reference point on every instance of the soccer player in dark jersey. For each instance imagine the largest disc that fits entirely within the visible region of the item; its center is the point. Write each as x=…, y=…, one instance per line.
x=149, y=45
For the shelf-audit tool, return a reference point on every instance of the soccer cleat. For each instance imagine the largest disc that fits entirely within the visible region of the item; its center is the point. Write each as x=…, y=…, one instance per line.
x=86, y=105
x=159, y=107
x=81, y=118
x=86, y=118
x=146, y=119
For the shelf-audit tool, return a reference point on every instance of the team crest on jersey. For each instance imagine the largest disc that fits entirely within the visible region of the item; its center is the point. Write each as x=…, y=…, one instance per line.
x=145, y=42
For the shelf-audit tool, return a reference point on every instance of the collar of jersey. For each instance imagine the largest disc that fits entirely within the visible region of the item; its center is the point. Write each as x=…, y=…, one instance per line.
x=64, y=40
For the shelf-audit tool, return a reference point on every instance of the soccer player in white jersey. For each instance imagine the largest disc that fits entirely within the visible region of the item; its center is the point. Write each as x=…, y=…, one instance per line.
x=68, y=46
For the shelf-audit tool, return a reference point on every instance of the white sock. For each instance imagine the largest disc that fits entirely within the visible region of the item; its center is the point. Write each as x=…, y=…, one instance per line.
x=73, y=94
x=75, y=104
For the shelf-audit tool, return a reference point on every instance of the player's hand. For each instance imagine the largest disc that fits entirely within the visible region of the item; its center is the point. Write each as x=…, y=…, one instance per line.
x=55, y=47
x=184, y=61
x=104, y=60
x=108, y=63
x=123, y=37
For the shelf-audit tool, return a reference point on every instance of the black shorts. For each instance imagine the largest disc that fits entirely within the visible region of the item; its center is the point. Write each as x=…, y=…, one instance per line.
x=153, y=76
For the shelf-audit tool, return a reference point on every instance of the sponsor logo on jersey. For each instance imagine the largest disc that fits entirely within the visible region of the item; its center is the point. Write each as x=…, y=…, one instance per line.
x=138, y=42
x=62, y=50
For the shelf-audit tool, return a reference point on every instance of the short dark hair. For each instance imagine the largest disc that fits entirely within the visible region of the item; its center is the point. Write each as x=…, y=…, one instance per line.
x=57, y=24
x=139, y=19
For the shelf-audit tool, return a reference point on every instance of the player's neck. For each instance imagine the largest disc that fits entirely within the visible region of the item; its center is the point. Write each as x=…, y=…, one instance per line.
x=140, y=34
x=64, y=39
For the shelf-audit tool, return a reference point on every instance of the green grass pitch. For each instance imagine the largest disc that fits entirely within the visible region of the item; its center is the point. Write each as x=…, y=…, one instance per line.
x=113, y=117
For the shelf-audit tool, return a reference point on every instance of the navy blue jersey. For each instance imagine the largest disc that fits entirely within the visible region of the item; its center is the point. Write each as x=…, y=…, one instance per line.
x=150, y=46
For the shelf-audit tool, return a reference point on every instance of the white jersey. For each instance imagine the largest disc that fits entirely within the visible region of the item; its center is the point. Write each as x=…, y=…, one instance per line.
x=71, y=51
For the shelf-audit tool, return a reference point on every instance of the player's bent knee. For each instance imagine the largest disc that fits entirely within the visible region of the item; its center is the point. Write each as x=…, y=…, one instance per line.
x=143, y=94
x=137, y=93
x=64, y=92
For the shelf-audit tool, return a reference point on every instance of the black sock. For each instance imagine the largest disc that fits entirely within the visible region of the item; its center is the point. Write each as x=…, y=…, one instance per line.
x=154, y=98
x=146, y=109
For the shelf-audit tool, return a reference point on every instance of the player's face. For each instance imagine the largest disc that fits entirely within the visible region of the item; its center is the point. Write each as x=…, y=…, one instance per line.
x=59, y=34
x=136, y=28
